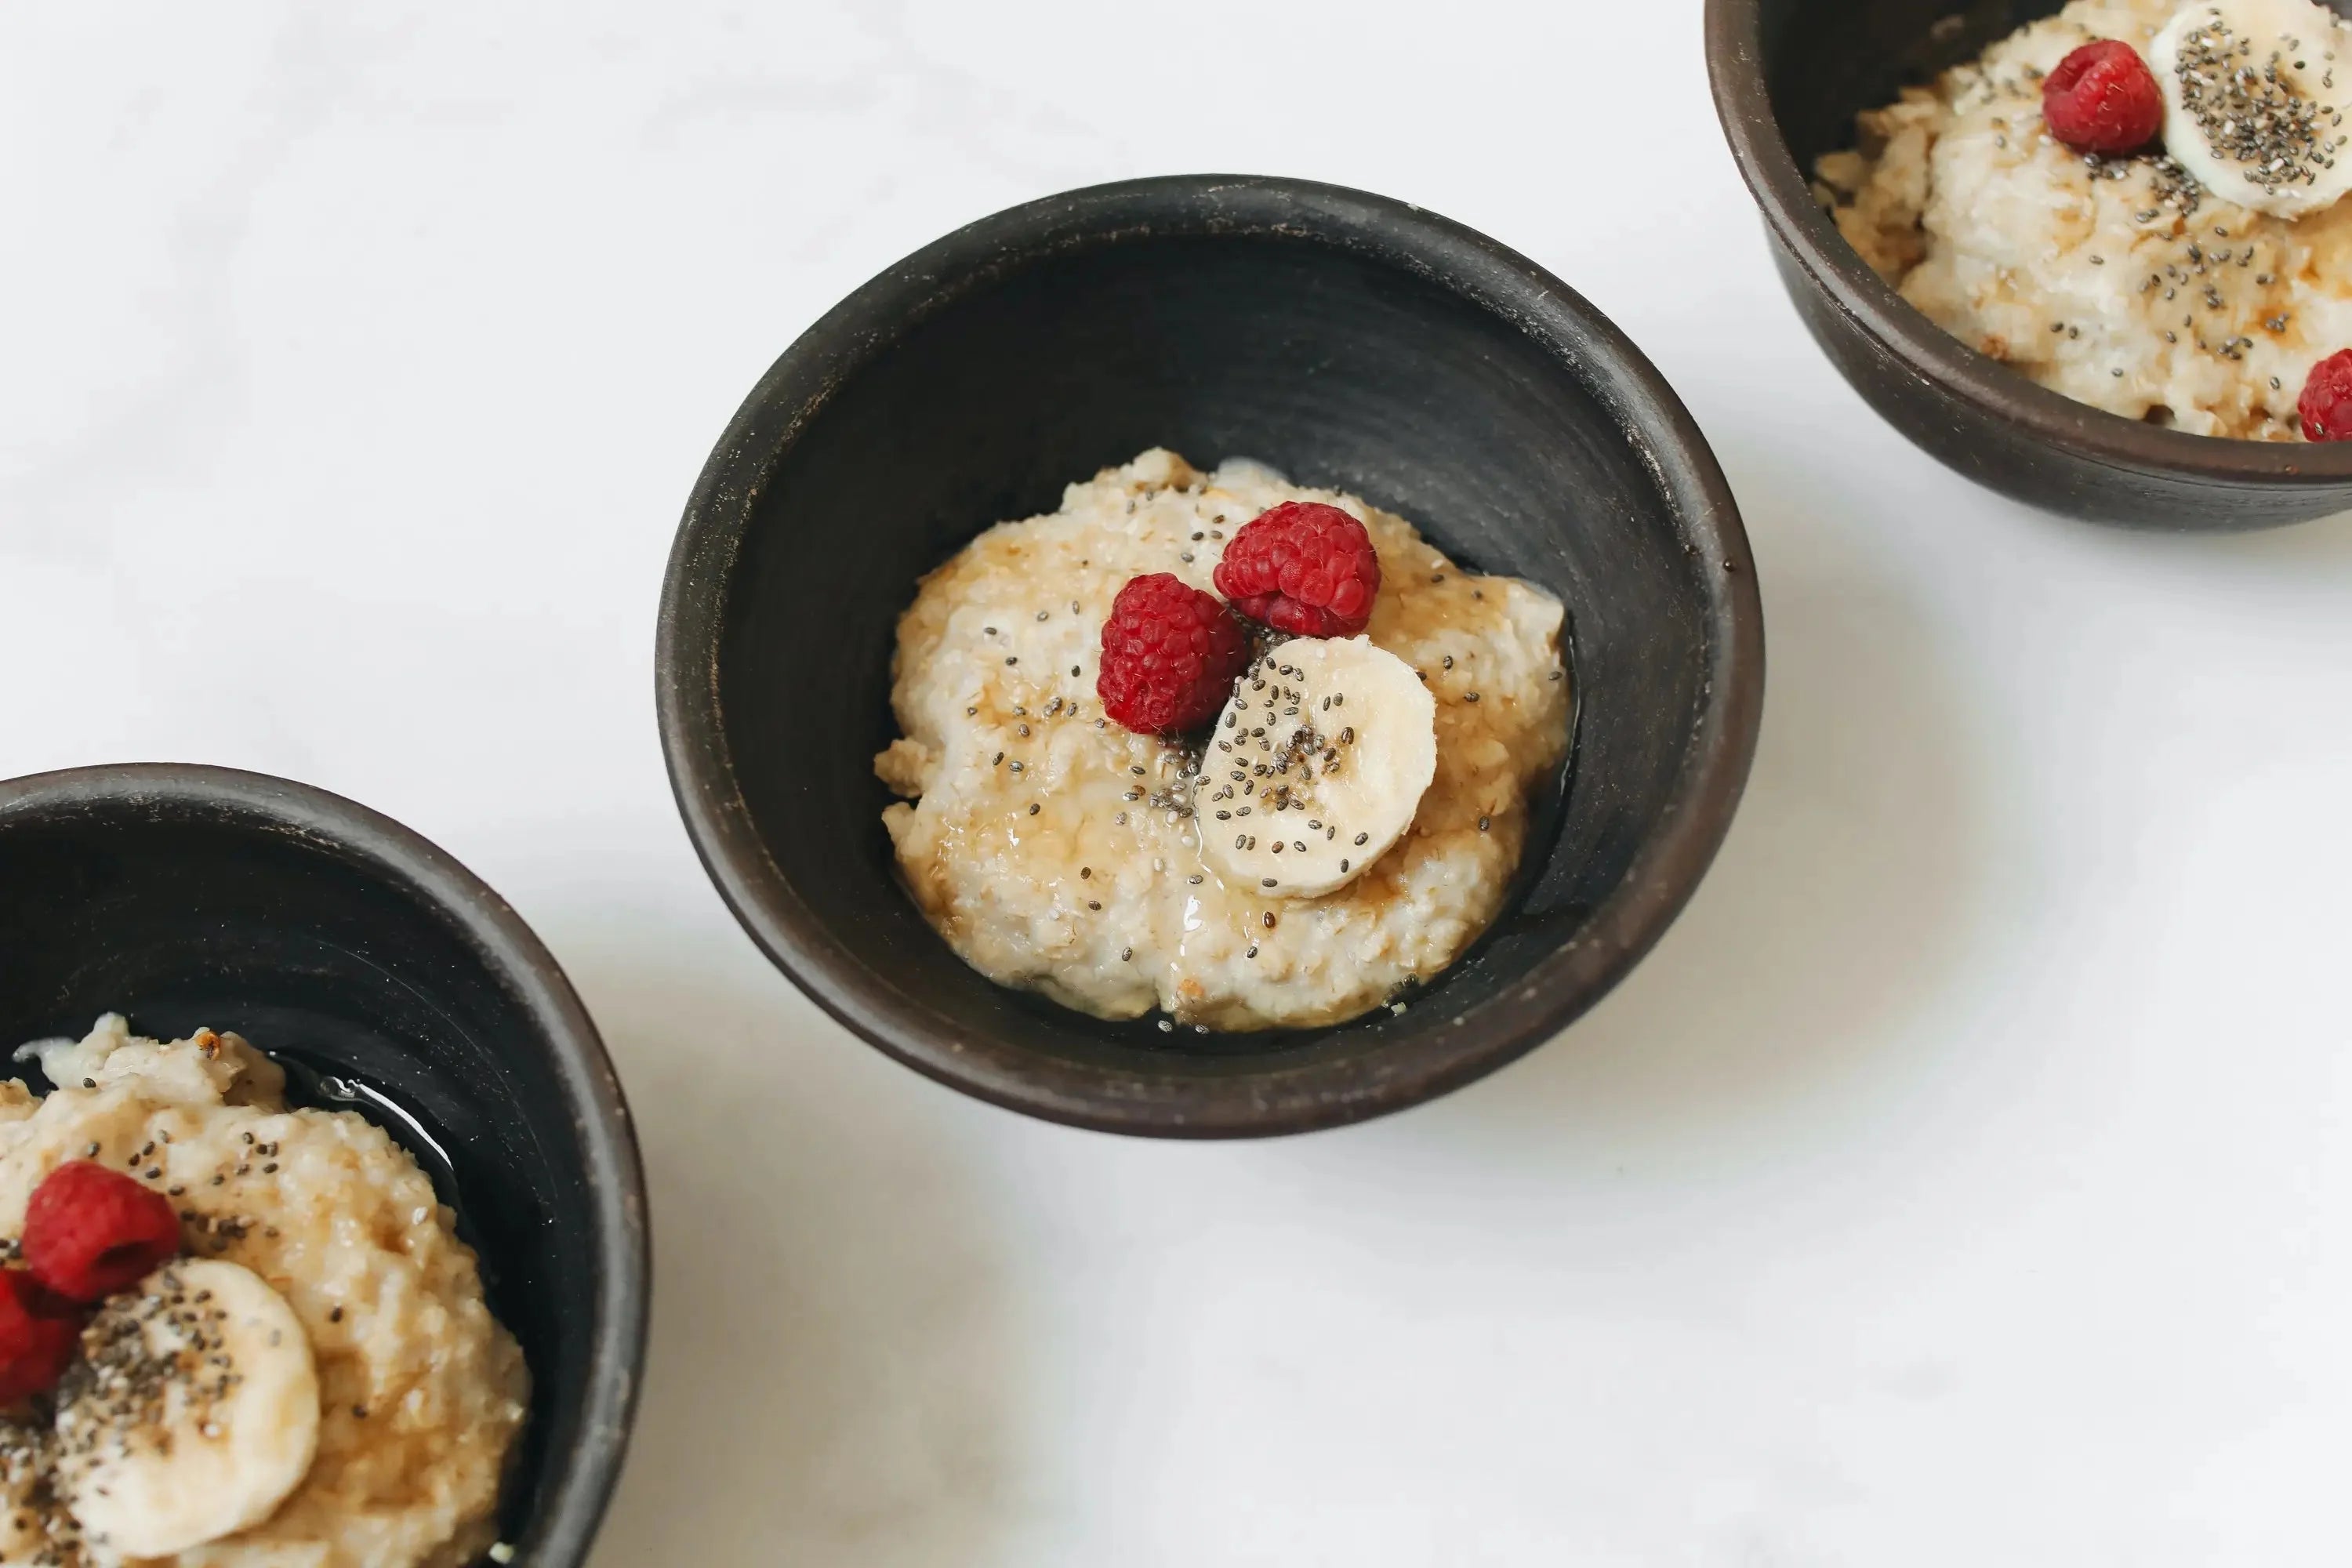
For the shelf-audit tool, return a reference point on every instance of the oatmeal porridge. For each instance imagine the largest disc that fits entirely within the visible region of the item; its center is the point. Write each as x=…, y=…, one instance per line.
x=308, y=1378
x=2198, y=281
x=1059, y=851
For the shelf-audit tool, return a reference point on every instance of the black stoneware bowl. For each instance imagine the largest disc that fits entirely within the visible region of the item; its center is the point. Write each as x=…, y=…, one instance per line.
x=1347, y=339
x=1790, y=75
x=352, y=949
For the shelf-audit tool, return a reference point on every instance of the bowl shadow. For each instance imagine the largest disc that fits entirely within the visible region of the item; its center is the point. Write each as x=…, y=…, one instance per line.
x=835, y=1366
x=1849, y=892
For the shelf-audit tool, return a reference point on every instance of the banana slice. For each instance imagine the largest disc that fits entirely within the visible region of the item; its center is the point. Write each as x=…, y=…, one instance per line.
x=195, y=1415
x=2252, y=107
x=1317, y=765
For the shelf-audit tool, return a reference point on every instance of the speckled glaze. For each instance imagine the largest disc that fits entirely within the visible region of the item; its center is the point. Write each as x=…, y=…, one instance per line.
x=1351, y=343
x=1789, y=77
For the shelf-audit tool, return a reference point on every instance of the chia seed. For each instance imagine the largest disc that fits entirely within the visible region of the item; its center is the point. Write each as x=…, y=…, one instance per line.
x=2249, y=115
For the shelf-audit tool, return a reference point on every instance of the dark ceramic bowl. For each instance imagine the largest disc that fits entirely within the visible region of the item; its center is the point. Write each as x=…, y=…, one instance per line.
x=1790, y=75
x=1347, y=339
x=352, y=949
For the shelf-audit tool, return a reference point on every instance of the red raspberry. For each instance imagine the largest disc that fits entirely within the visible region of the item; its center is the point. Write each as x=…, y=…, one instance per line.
x=1171, y=654
x=1303, y=568
x=37, y=1338
x=2103, y=98
x=89, y=1231
x=2326, y=400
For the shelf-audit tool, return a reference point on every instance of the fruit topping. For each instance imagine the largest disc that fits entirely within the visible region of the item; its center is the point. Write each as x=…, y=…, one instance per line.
x=1317, y=768
x=2326, y=406
x=2251, y=110
x=1171, y=654
x=200, y=1416
x=89, y=1231
x=2103, y=98
x=39, y=1335
x=1303, y=568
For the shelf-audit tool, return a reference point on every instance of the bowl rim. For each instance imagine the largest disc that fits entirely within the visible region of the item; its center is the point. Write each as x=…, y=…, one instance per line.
x=1260, y=1095
x=563, y=1527
x=1734, y=34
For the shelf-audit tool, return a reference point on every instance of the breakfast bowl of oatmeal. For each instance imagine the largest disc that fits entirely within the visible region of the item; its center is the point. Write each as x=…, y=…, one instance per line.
x=1209, y=657
x=321, y=1228
x=2091, y=254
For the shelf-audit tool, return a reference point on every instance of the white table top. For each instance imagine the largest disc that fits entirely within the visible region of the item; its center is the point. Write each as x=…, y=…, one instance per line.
x=1965, y=1180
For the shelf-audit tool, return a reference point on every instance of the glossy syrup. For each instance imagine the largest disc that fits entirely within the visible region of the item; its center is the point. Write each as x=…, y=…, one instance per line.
x=310, y=1086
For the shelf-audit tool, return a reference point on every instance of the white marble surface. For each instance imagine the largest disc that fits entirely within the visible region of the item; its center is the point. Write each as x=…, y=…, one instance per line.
x=1967, y=1179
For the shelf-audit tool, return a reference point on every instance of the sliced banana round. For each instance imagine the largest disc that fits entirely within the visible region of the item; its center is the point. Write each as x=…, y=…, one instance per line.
x=2252, y=107
x=194, y=1416
x=1317, y=764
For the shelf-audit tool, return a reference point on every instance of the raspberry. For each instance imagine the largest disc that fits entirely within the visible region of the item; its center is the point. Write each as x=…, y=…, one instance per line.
x=36, y=1338
x=89, y=1231
x=1171, y=654
x=2325, y=404
x=1303, y=568
x=2103, y=98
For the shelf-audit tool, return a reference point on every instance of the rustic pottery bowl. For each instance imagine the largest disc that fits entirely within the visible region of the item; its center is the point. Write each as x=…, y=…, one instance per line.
x=1349, y=341
x=1790, y=75
x=357, y=952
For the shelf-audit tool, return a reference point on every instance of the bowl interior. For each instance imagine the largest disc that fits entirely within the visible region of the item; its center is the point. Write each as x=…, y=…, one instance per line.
x=1333, y=361
x=1827, y=60
x=184, y=913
